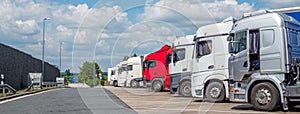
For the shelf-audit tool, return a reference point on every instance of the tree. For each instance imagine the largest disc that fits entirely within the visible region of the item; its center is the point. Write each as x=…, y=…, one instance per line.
x=125, y=58
x=134, y=55
x=68, y=72
x=67, y=75
x=88, y=72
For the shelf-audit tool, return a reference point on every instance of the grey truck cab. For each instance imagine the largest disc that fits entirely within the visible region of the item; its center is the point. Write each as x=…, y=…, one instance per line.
x=264, y=61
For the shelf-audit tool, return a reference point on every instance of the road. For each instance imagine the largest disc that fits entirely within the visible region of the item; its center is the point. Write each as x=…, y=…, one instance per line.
x=67, y=101
x=145, y=102
x=111, y=100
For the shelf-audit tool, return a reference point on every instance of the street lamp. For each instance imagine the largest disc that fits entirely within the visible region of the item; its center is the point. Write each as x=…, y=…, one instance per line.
x=61, y=43
x=43, y=63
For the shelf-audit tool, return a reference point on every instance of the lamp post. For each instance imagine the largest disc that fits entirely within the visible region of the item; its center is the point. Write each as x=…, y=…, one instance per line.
x=43, y=56
x=61, y=43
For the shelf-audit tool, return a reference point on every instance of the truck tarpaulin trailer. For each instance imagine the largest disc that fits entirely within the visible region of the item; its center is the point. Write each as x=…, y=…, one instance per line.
x=156, y=70
x=293, y=12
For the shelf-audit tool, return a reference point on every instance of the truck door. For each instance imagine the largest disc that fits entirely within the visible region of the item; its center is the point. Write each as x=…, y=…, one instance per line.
x=179, y=62
x=178, y=65
x=239, y=59
x=204, y=62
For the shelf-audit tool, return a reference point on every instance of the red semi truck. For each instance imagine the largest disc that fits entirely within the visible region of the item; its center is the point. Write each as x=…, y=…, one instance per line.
x=156, y=71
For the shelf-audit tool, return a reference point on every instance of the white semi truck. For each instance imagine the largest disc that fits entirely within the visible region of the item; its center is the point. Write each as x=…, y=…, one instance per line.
x=265, y=60
x=209, y=79
x=134, y=76
x=180, y=65
x=112, y=76
x=122, y=73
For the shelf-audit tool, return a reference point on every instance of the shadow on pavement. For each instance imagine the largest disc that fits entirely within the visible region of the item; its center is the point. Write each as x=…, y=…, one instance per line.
x=250, y=107
x=210, y=101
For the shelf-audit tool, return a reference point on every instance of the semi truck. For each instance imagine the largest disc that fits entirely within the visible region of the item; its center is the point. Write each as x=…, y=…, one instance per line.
x=134, y=68
x=264, y=60
x=112, y=76
x=156, y=71
x=209, y=78
x=122, y=73
x=180, y=65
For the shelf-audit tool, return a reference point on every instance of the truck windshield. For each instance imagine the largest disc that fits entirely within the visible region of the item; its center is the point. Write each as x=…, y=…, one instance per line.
x=204, y=48
x=151, y=64
x=129, y=68
x=240, y=38
x=179, y=54
x=112, y=72
x=124, y=67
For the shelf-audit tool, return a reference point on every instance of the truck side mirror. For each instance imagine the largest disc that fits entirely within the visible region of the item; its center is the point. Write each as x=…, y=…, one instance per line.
x=231, y=47
x=168, y=59
x=230, y=37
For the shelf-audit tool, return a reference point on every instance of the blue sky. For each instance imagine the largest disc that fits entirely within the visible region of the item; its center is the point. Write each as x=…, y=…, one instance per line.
x=106, y=30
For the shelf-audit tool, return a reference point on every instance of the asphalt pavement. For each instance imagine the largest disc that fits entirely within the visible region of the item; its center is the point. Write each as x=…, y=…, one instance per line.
x=68, y=101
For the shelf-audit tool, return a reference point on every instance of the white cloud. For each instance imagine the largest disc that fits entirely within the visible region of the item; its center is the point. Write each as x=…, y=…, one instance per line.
x=189, y=15
x=68, y=23
x=28, y=27
x=222, y=9
x=92, y=33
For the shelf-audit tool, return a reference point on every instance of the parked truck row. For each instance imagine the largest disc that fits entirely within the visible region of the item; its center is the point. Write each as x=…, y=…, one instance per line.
x=254, y=59
x=127, y=73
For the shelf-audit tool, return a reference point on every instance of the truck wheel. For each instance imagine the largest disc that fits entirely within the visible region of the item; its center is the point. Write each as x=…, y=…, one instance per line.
x=134, y=84
x=185, y=89
x=157, y=86
x=115, y=84
x=264, y=96
x=215, y=92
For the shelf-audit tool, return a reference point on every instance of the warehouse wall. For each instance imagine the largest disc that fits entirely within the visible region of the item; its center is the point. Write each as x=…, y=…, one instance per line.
x=15, y=65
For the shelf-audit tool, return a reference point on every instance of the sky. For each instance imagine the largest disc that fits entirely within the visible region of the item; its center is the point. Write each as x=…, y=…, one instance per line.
x=104, y=31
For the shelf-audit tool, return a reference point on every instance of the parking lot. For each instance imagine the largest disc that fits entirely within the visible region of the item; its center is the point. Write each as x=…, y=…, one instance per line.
x=145, y=102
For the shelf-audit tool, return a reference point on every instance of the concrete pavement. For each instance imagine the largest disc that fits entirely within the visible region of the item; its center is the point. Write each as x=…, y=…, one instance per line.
x=68, y=101
x=144, y=102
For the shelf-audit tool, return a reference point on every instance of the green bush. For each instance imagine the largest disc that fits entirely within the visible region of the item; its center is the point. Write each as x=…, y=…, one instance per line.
x=68, y=78
x=92, y=82
x=104, y=78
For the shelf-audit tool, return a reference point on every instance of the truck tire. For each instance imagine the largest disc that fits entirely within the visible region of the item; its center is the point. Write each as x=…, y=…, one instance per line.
x=264, y=96
x=215, y=92
x=185, y=89
x=134, y=84
x=157, y=86
x=115, y=84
